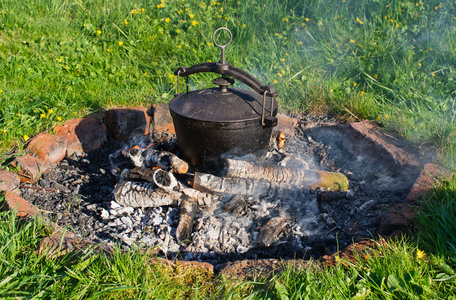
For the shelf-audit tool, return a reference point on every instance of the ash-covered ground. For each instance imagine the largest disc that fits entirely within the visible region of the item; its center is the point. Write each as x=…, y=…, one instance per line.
x=298, y=223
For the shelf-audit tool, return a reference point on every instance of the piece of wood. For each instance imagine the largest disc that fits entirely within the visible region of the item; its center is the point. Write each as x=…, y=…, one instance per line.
x=187, y=210
x=283, y=175
x=272, y=231
x=224, y=185
x=150, y=157
x=144, y=194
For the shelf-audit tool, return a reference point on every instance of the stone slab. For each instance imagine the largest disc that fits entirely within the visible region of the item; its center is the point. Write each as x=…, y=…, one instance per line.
x=49, y=147
x=9, y=180
x=30, y=167
x=126, y=123
x=24, y=208
x=82, y=134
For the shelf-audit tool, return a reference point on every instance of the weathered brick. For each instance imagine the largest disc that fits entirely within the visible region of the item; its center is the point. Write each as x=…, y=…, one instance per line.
x=426, y=181
x=397, y=218
x=23, y=207
x=30, y=167
x=83, y=135
x=49, y=147
x=8, y=180
x=125, y=123
x=162, y=118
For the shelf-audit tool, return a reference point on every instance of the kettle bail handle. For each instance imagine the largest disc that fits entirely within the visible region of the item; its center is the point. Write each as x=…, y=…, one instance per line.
x=222, y=47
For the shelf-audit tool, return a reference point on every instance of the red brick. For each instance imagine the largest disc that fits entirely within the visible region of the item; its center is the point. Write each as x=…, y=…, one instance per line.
x=162, y=118
x=426, y=181
x=14, y=201
x=30, y=167
x=286, y=124
x=49, y=147
x=83, y=135
x=399, y=217
x=8, y=180
x=125, y=123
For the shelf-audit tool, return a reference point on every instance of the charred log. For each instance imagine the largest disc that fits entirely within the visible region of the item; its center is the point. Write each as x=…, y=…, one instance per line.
x=223, y=185
x=150, y=157
x=142, y=194
x=138, y=174
x=272, y=231
x=283, y=175
x=235, y=205
x=187, y=210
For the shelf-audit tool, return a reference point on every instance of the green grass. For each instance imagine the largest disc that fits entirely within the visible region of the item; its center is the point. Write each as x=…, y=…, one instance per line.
x=388, y=61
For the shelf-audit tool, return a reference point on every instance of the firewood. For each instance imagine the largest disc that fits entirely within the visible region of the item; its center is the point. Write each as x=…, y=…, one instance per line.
x=144, y=194
x=223, y=185
x=150, y=157
x=235, y=205
x=272, y=231
x=138, y=174
x=164, y=180
x=187, y=210
x=283, y=175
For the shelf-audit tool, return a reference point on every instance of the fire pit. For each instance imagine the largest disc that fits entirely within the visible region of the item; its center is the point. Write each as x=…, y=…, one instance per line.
x=114, y=195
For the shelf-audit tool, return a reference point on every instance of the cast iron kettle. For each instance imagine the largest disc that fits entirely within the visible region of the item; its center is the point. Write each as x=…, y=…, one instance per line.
x=223, y=121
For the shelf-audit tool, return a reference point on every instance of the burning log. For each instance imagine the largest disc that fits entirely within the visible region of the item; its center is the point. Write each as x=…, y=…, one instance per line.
x=187, y=210
x=138, y=174
x=296, y=177
x=150, y=157
x=272, y=231
x=164, y=180
x=144, y=194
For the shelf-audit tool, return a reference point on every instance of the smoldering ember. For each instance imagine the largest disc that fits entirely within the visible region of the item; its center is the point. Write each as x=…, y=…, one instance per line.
x=320, y=187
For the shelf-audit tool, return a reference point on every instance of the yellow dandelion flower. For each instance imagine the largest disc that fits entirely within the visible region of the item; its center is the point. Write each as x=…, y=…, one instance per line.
x=194, y=23
x=210, y=43
x=227, y=18
x=375, y=76
x=108, y=50
x=50, y=111
x=177, y=31
x=352, y=41
x=362, y=93
x=141, y=10
x=1, y=91
x=285, y=19
x=419, y=64
x=85, y=26
x=280, y=74
x=98, y=32
x=299, y=43
x=243, y=25
x=170, y=75
x=219, y=16
x=42, y=116
x=355, y=83
x=337, y=258
x=303, y=24
x=59, y=119
x=134, y=11
x=307, y=19
x=192, y=16
x=276, y=34
x=282, y=59
x=420, y=254
x=283, y=71
x=126, y=21
x=145, y=73
x=387, y=116
x=167, y=20
x=120, y=43
x=274, y=82
x=180, y=11
x=26, y=137
x=4, y=130
x=179, y=46
x=397, y=25
x=433, y=74
x=378, y=118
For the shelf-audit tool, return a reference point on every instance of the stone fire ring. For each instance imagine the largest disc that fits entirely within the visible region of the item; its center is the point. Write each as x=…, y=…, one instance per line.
x=86, y=134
